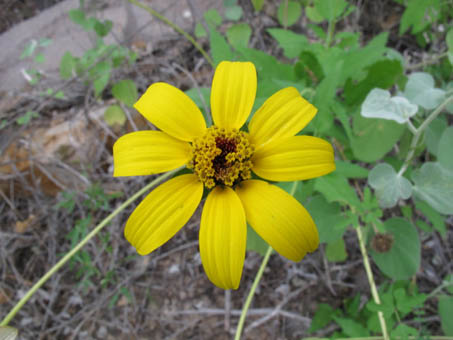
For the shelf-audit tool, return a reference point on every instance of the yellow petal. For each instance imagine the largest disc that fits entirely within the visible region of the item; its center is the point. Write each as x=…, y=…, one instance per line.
x=172, y=111
x=294, y=158
x=278, y=218
x=223, y=231
x=284, y=114
x=233, y=93
x=148, y=152
x=163, y=212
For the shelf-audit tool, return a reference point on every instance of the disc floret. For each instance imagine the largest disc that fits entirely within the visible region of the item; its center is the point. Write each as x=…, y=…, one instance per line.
x=221, y=157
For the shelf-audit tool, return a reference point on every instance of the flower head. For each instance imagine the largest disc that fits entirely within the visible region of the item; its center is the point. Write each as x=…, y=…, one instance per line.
x=222, y=158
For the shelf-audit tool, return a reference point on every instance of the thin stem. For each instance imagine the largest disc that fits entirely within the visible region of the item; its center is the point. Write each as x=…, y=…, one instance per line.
x=252, y=293
x=369, y=273
x=73, y=251
x=176, y=28
x=419, y=131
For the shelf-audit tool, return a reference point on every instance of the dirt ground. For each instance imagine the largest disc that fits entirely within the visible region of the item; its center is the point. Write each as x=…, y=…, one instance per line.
x=109, y=292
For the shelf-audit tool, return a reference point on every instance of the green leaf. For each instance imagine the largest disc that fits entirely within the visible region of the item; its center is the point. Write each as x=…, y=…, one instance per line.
x=309, y=68
x=29, y=49
x=390, y=187
x=26, y=118
x=374, y=137
x=351, y=328
x=407, y=303
x=433, y=133
x=292, y=43
x=336, y=188
x=420, y=90
x=101, y=75
x=77, y=16
x=313, y=15
x=288, y=12
x=239, y=35
x=350, y=170
x=405, y=247
x=255, y=242
x=258, y=4
x=434, y=185
x=330, y=9
x=444, y=154
x=213, y=17
x=125, y=91
x=67, y=65
x=330, y=222
x=336, y=251
x=39, y=58
x=200, y=31
x=220, y=50
x=8, y=333
x=433, y=216
x=380, y=104
x=323, y=316
x=102, y=29
x=403, y=331
x=414, y=16
x=233, y=13
x=382, y=74
x=449, y=40
x=445, y=313
x=114, y=115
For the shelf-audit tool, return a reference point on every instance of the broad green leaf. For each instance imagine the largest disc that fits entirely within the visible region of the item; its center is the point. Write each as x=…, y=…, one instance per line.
x=258, y=4
x=433, y=216
x=313, y=15
x=330, y=9
x=351, y=328
x=77, y=16
x=403, y=331
x=323, y=316
x=420, y=90
x=103, y=28
x=67, y=65
x=380, y=104
x=212, y=17
x=336, y=251
x=309, y=68
x=200, y=31
x=239, y=35
x=336, y=188
x=445, y=313
x=292, y=43
x=407, y=303
x=433, y=133
x=233, y=13
x=288, y=12
x=445, y=152
x=255, y=242
x=382, y=74
x=220, y=50
x=405, y=248
x=389, y=186
x=350, y=170
x=373, y=138
x=8, y=333
x=330, y=222
x=414, y=15
x=125, y=91
x=114, y=115
x=434, y=185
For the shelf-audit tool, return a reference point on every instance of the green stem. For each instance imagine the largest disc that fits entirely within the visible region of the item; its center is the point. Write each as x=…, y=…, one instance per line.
x=330, y=31
x=252, y=293
x=73, y=251
x=369, y=273
x=176, y=28
x=419, y=131
x=258, y=276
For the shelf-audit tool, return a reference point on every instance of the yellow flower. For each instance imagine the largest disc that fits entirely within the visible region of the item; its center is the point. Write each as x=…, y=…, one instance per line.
x=222, y=158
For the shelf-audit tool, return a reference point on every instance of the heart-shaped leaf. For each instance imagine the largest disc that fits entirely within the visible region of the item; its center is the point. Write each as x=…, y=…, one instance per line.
x=420, y=90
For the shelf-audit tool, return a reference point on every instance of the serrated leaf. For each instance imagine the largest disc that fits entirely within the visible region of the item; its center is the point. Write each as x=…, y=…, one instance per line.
x=8, y=333
x=239, y=35
x=233, y=13
x=388, y=185
x=351, y=328
x=125, y=91
x=380, y=104
x=445, y=313
x=420, y=90
x=114, y=114
x=434, y=185
x=323, y=316
x=369, y=143
x=289, y=12
x=292, y=43
x=67, y=65
x=405, y=248
x=336, y=251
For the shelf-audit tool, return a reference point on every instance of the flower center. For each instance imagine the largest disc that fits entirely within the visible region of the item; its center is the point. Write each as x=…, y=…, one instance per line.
x=221, y=156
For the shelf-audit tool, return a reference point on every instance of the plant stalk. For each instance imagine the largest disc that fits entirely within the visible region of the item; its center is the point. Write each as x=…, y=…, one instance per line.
x=73, y=251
